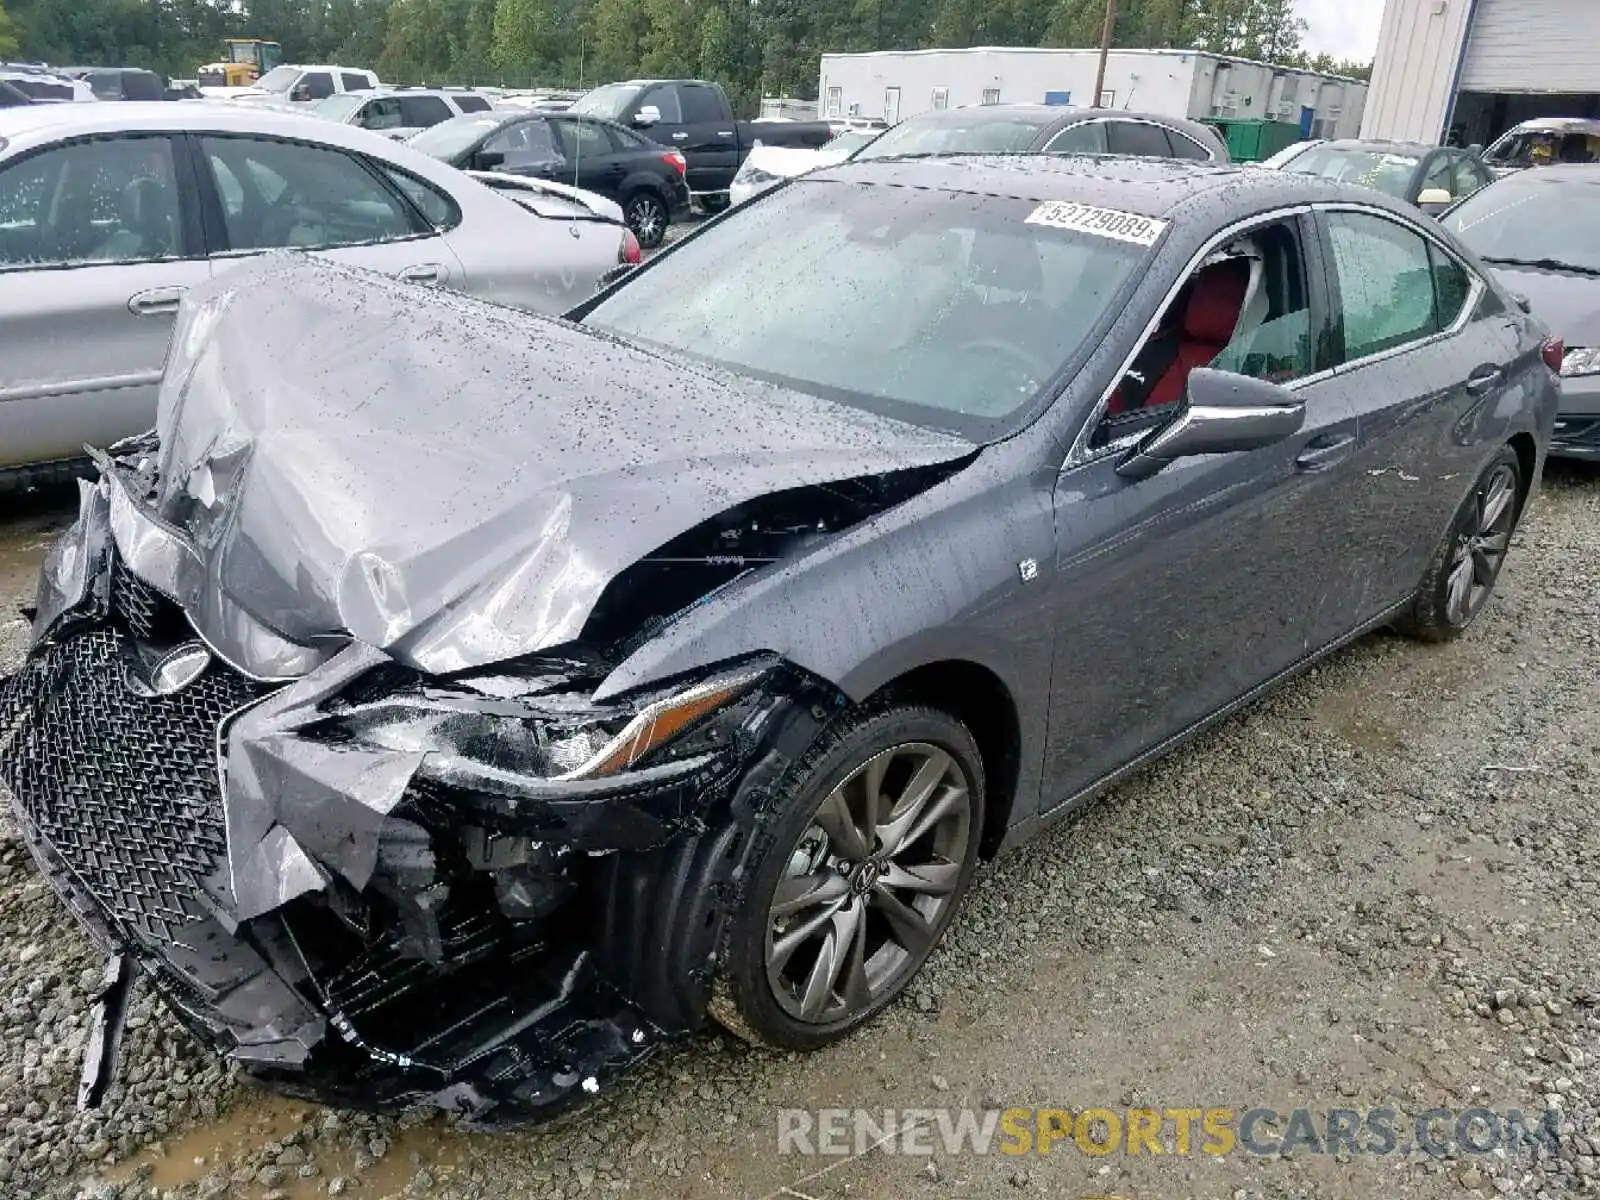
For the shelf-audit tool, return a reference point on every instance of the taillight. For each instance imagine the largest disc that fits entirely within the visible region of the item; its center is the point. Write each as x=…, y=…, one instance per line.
x=630, y=252
x=676, y=160
x=1555, y=351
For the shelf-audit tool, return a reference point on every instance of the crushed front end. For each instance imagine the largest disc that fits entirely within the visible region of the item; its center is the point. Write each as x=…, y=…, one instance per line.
x=370, y=886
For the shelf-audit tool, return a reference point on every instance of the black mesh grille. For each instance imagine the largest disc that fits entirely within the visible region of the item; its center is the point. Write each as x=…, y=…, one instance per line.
x=123, y=788
x=145, y=612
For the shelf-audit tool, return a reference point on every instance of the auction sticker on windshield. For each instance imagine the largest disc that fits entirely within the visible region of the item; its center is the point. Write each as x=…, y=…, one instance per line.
x=1103, y=222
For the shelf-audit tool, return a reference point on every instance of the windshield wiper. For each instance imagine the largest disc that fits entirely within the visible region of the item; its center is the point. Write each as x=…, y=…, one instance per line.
x=1543, y=264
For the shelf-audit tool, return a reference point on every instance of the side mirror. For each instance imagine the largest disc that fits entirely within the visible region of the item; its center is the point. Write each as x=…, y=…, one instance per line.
x=647, y=116
x=488, y=160
x=1434, y=197
x=1223, y=414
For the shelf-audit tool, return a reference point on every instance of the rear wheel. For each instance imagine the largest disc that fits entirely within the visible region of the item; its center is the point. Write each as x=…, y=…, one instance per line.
x=647, y=217
x=1463, y=571
x=858, y=878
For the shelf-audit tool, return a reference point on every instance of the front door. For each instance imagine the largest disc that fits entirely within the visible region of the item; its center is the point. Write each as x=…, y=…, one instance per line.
x=1184, y=591
x=95, y=255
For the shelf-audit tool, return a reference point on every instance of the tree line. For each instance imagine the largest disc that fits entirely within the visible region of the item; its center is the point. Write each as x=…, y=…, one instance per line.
x=753, y=47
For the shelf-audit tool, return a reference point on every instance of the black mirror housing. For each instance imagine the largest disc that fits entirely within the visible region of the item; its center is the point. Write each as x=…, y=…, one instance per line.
x=1223, y=413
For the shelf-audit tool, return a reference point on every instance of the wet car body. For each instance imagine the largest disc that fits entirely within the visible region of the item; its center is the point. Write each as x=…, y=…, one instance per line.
x=445, y=739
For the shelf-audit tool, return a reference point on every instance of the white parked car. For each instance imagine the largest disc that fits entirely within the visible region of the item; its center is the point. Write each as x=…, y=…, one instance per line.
x=398, y=112
x=44, y=87
x=109, y=213
x=767, y=166
x=292, y=85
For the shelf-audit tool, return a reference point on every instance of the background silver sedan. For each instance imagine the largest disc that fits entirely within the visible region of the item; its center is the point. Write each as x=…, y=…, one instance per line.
x=110, y=212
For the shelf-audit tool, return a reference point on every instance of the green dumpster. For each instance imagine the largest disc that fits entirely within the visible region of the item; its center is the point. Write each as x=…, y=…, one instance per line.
x=1253, y=139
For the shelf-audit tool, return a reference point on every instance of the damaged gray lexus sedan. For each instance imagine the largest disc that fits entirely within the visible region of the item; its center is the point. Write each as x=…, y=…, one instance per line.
x=445, y=705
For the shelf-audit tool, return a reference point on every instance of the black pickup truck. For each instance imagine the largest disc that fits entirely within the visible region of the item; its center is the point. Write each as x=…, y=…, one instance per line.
x=694, y=117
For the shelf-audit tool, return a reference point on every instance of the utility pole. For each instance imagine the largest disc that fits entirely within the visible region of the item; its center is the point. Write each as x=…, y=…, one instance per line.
x=1105, y=49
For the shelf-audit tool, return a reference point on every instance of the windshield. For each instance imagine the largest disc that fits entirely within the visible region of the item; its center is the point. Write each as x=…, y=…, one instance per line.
x=609, y=102
x=1379, y=169
x=952, y=133
x=1532, y=219
x=449, y=139
x=338, y=108
x=947, y=309
x=279, y=79
x=1540, y=147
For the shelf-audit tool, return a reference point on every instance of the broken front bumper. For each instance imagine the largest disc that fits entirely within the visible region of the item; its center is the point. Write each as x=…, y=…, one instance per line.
x=402, y=942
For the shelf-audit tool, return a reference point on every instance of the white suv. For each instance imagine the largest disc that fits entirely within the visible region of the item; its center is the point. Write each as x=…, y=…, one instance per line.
x=287, y=85
x=399, y=111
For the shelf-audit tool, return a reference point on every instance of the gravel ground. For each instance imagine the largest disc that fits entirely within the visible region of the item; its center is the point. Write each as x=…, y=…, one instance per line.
x=1379, y=887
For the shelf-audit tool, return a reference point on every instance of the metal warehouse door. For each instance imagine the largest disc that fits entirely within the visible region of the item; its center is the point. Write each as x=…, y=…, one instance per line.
x=1533, y=46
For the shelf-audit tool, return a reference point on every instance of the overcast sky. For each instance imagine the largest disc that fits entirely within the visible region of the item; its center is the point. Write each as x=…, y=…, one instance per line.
x=1342, y=28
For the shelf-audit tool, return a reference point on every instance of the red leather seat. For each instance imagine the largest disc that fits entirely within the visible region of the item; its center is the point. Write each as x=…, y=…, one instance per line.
x=1216, y=299
x=1208, y=324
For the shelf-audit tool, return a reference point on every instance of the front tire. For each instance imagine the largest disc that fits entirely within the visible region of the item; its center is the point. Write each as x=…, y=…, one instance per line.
x=647, y=217
x=1462, y=573
x=872, y=846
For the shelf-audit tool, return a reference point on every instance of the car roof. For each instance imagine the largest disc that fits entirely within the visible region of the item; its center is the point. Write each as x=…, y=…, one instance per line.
x=1558, y=173
x=1150, y=187
x=39, y=123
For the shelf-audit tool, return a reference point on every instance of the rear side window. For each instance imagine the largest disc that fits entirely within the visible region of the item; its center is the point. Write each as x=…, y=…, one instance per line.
x=354, y=83
x=472, y=104
x=1184, y=146
x=1394, y=287
x=419, y=112
x=1138, y=138
x=700, y=103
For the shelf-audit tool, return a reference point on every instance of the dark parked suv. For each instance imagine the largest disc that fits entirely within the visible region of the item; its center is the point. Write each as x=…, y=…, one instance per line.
x=600, y=156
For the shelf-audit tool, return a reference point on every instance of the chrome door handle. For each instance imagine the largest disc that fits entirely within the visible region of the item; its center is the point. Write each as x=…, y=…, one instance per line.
x=156, y=302
x=680, y=137
x=724, y=133
x=1324, y=450
x=423, y=273
x=1483, y=379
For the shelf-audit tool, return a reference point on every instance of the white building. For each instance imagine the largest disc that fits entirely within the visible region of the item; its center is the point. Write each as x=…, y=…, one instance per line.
x=895, y=84
x=1474, y=68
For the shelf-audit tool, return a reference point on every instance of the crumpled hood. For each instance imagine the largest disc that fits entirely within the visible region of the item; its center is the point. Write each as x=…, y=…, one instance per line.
x=448, y=481
x=1569, y=304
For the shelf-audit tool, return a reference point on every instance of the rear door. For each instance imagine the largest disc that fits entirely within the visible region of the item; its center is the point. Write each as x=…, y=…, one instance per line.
x=592, y=161
x=1425, y=353
x=269, y=194
x=99, y=240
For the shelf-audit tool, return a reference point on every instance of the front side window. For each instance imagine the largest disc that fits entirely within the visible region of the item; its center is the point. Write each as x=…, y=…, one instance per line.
x=1386, y=284
x=380, y=114
x=665, y=98
x=1440, y=174
x=108, y=200
x=318, y=85
x=524, y=144
x=949, y=309
x=287, y=194
x=1087, y=137
x=1246, y=309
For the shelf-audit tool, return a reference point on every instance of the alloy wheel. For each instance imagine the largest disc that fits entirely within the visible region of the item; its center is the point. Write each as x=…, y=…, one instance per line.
x=869, y=884
x=1481, y=545
x=648, y=220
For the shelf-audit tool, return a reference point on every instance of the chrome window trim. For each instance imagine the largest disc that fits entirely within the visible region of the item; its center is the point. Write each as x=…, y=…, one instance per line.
x=1080, y=452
